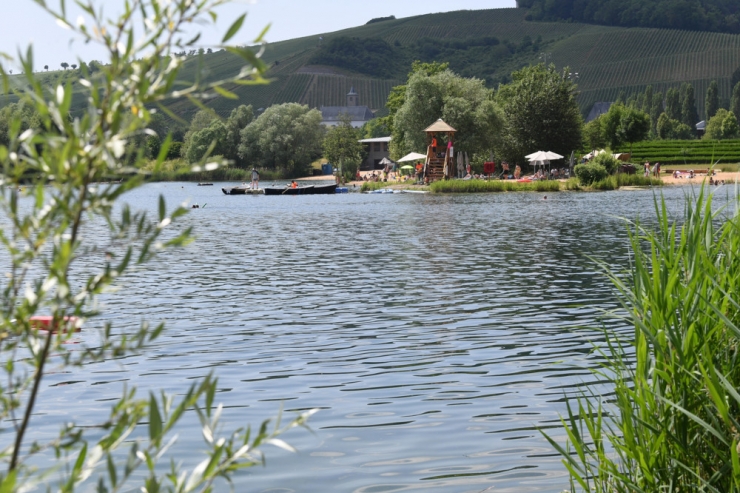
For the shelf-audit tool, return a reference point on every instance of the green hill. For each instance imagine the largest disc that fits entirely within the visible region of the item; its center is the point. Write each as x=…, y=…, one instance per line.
x=489, y=44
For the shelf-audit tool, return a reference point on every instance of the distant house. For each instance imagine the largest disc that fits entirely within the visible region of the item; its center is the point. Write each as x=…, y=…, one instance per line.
x=377, y=149
x=597, y=110
x=701, y=128
x=331, y=116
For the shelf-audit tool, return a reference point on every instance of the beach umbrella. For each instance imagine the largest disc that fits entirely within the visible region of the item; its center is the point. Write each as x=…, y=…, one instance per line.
x=536, y=156
x=543, y=156
x=408, y=166
x=414, y=156
x=552, y=156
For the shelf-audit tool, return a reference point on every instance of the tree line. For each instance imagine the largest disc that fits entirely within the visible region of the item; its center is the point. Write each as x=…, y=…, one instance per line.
x=672, y=116
x=693, y=15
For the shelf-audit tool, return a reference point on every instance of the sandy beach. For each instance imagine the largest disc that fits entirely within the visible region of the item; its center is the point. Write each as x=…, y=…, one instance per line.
x=728, y=177
x=667, y=178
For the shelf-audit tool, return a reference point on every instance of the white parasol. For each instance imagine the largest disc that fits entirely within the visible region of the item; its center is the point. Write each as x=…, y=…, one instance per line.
x=543, y=156
x=414, y=156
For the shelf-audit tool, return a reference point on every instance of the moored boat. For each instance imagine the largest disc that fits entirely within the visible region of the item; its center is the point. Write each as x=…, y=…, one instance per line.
x=242, y=191
x=310, y=190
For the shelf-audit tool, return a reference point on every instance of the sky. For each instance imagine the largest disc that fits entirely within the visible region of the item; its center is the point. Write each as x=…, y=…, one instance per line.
x=25, y=23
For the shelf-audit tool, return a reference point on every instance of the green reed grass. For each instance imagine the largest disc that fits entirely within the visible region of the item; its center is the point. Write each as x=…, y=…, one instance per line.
x=220, y=174
x=673, y=421
x=370, y=186
x=482, y=186
x=613, y=182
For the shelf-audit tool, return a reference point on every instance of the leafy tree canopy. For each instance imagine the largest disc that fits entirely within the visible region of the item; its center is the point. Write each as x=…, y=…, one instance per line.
x=342, y=147
x=625, y=125
x=465, y=104
x=723, y=125
x=541, y=113
x=285, y=137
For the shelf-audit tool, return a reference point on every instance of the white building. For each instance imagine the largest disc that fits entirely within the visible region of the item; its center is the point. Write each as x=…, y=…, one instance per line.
x=331, y=116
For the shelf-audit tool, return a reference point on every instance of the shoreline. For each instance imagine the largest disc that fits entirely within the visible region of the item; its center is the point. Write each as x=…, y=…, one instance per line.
x=667, y=179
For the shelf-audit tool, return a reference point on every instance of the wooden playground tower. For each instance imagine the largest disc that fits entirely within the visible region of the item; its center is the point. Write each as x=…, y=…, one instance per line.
x=436, y=167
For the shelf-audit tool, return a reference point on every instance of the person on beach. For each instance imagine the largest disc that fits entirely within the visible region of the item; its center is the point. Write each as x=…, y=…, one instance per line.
x=434, y=145
x=647, y=169
x=657, y=170
x=255, y=179
x=517, y=172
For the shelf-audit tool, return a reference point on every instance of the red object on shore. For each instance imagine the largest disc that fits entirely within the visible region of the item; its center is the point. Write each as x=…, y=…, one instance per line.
x=43, y=322
x=489, y=168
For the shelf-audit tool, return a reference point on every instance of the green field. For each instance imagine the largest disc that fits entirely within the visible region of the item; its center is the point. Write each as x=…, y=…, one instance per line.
x=607, y=59
x=686, y=152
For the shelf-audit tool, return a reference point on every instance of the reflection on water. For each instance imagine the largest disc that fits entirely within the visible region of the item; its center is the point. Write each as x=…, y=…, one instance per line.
x=436, y=333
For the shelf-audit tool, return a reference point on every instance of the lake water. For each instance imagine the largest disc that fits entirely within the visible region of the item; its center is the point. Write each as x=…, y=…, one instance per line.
x=435, y=333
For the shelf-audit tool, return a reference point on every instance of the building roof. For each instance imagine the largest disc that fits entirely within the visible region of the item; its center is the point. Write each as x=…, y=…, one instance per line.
x=702, y=125
x=378, y=139
x=333, y=113
x=440, y=126
x=597, y=110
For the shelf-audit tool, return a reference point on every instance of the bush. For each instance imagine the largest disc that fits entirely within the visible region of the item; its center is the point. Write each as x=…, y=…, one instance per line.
x=589, y=173
x=174, y=151
x=608, y=161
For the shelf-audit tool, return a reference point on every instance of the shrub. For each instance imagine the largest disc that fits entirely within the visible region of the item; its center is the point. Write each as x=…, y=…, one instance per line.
x=589, y=173
x=174, y=150
x=608, y=161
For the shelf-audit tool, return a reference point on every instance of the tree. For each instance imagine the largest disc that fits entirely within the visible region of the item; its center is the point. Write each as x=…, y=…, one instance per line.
x=202, y=119
x=593, y=134
x=735, y=79
x=713, y=129
x=465, y=104
x=375, y=128
x=74, y=66
x=285, y=137
x=541, y=113
x=65, y=65
x=54, y=264
x=711, y=104
x=46, y=67
x=672, y=129
x=207, y=142
x=240, y=117
x=735, y=102
x=625, y=125
x=397, y=96
x=656, y=110
x=647, y=102
x=342, y=147
x=673, y=104
x=634, y=126
x=730, y=128
x=689, y=114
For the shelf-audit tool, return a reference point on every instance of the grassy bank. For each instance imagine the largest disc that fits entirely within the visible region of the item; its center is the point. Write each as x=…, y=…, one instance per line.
x=621, y=180
x=672, y=421
x=371, y=186
x=481, y=186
